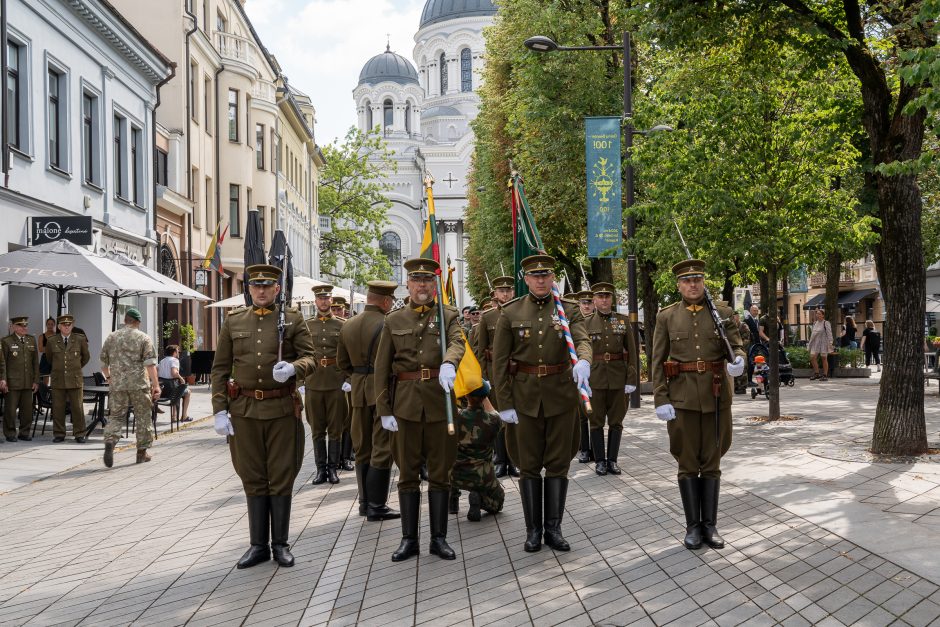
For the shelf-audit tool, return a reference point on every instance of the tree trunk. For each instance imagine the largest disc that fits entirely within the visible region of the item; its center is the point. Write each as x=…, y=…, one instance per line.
x=833, y=274
x=727, y=290
x=785, y=308
x=773, y=359
x=646, y=270
x=602, y=270
x=764, y=292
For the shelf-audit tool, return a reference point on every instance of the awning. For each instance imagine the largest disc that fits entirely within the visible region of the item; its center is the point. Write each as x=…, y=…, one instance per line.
x=845, y=298
x=815, y=302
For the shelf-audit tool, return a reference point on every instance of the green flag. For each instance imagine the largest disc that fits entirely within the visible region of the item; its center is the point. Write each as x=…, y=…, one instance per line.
x=526, y=240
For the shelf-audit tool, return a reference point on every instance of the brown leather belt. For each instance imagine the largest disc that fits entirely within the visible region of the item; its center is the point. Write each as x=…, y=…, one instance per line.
x=543, y=369
x=326, y=361
x=608, y=356
x=424, y=374
x=701, y=367
x=261, y=395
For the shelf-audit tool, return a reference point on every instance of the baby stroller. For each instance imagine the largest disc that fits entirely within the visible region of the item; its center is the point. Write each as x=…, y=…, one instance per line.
x=761, y=375
x=786, y=369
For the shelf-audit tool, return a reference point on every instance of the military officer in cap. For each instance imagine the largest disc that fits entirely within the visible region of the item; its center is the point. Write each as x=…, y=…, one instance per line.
x=585, y=300
x=537, y=390
x=692, y=392
x=339, y=307
x=503, y=290
x=614, y=374
x=258, y=410
x=409, y=375
x=324, y=400
x=68, y=354
x=355, y=356
x=19, y=379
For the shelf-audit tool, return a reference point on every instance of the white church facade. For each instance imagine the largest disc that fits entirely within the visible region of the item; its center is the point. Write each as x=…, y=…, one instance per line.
x=424, y=110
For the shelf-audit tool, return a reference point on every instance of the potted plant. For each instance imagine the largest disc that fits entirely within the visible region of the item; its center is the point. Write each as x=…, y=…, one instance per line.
x=187, y=345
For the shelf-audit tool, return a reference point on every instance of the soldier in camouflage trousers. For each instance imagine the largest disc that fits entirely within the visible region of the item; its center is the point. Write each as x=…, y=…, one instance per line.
x=473, y=471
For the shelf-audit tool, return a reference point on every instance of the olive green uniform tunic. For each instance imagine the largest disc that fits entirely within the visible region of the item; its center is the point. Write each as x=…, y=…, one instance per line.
x=611, y=334
x=410, y=342
x=268, y=445
x=325, y=402
x=528, y=332
x=483, y=349
x=355, y=355
x=19, y=367
x=685, y=333
x=67, y=359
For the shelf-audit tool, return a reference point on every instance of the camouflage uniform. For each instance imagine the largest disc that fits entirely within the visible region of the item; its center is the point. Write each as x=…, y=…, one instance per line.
x=126, y=353
x=477, y=430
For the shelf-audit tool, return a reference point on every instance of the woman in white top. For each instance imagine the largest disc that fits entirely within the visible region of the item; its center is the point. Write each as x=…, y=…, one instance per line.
x=168, y=371
x=820, y=344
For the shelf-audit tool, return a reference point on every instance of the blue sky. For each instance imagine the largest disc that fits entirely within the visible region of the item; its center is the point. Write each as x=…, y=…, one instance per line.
x=323, y=44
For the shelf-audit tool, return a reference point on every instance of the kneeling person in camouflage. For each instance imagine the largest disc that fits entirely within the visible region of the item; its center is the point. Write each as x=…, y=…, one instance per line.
x=129, y=362
x=477, y=429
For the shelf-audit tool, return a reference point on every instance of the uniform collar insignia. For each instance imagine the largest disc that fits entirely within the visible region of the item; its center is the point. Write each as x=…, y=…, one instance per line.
x=262, y=311
x=324, y=317
x=694, y=308
x=420, y=309
x=539, y=301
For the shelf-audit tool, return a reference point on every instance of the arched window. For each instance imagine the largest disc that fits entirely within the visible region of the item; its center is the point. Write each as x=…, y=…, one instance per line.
x=466, y=70
x=167, y=262
x=443, y=62
x=408, y=118
x=388, y=114
x=368, y=128
x=390, y=245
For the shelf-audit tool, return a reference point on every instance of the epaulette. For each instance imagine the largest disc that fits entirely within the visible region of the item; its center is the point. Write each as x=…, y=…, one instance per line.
x=569, y=301
x=451, y=308
x=514, y=300
x=239, y=310
x=670, y=306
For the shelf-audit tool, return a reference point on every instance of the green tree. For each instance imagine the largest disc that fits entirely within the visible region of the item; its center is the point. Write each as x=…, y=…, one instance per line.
x=352, y=184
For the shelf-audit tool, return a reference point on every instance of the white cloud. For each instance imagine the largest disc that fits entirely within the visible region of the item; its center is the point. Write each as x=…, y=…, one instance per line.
x=323, y=44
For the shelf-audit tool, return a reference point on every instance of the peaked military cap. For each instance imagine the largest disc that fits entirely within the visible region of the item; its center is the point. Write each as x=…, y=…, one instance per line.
x=65, y=318
x=382, y=288
x=338, y=301
x=504, y=281
x=19, y=320
x=322, y=290
x=689, y=268
x=603, y=288
x=538, y=264
x=421, y=266
x=263, y=274
x=571, y=296
x=584, y=295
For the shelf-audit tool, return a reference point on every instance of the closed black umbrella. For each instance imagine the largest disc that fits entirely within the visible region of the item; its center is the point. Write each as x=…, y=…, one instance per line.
x=254, y=247
x=279, y=249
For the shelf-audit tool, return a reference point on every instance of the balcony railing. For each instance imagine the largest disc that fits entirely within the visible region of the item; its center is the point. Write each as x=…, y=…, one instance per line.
x=263, y=90
x=236, y=48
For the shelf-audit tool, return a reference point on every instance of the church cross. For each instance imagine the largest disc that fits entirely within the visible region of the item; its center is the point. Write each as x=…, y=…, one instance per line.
x=450, y=180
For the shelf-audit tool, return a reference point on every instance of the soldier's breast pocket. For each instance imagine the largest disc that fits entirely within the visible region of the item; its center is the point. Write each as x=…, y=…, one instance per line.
x=522, y=331
x=401, y=338
x=241, y=340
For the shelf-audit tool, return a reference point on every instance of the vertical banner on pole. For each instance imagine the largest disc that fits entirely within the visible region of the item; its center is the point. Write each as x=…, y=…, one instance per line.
x=604, y=214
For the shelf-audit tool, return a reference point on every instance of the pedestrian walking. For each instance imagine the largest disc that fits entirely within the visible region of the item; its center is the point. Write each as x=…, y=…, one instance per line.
x=871, y=344
x=68, y=354
x=692, y=393
x=258, y=410
x=820, y=345
x=409, y=375
x=473, y=471
x=19, y=379
x=537, y=390
x=849, y=331
x=614, y=375
x=129, y=364
x=355, y=356
x=324, y=388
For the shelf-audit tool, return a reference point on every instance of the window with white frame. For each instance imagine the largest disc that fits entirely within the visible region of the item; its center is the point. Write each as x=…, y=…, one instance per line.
x=233, y=115
x=57, y=118
x=119, y=131
x=91, y=150
x=234, y=211
x=138, y=197
x=466, y=70
x=259, y=146
x=442, y=61
x=17, y=96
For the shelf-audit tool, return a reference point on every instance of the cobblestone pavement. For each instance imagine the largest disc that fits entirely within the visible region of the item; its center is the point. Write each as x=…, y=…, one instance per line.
x=809, y=540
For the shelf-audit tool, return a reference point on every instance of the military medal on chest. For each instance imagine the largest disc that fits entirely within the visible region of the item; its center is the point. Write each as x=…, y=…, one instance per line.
x=556, y=321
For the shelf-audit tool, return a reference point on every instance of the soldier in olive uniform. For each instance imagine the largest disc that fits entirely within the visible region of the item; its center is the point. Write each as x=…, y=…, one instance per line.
x=324, y=402
x=257, y=408
x=614, y=374
x=585, y=300
x=129, y=362
x=340, y=309
x=355, y=356
x=692, y=392
x=503, y=289
x=409, y=375
x=19, y=378
x=537, y=389
x=68, y=354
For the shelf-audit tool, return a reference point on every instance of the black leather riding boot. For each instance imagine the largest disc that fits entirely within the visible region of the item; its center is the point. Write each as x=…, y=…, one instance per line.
x=689, y=491
x=473, y=512
x=531, y=489
x=377, y=483
x=556, y=490
x=319, y=456
x=280, y=526
x=453, y=503
x=437, y=504
x=410, y=503
x=597, y=445
x=709, y=487
x=332, y=463
x=346, y=455
x=362, y=474
x=258, y=525
x=613, y=448
x=584, y=451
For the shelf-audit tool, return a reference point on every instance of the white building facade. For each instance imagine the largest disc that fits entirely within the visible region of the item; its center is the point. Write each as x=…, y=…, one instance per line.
x=424, y=111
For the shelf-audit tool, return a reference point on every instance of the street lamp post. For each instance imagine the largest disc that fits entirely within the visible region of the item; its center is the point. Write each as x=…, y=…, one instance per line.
x=540, y=43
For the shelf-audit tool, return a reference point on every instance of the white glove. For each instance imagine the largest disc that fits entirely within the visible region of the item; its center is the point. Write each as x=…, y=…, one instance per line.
x=302, y=390
x=346, y=387
x=283, y=371
x=629, y=389
x=389, y=423
x=666, y=412
x=509, y=416
x=581, y=373
x=223, y=423
x=736, y=368
x=447, y=376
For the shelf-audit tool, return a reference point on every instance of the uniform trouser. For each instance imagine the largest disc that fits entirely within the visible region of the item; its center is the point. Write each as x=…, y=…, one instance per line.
x=610, y=404
x=547, y=442
x=326, y=412
x=21, y=400
x=371, y=441
x=120, y=402
x=347, y=417
x=512, y=448
x=415, y=442
x=74, y=397
x=692, y=442
x=267, y=454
